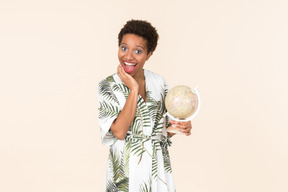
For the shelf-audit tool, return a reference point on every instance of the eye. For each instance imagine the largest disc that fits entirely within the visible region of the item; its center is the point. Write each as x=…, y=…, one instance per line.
x=124, y=48
x=138, y=51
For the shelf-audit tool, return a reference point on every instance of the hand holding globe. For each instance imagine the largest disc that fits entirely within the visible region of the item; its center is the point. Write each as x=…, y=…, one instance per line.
x=182, y=104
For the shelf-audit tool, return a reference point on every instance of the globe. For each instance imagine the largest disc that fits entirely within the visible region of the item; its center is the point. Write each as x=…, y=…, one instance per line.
x=181, y=102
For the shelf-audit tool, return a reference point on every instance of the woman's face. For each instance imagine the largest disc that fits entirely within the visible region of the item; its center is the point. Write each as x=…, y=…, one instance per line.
x=133, y=54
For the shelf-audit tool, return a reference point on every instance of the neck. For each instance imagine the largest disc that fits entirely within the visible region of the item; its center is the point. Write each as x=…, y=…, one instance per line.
x=140, y=77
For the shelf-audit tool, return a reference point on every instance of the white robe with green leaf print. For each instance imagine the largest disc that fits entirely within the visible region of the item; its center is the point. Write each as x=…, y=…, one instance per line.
x=141, y=161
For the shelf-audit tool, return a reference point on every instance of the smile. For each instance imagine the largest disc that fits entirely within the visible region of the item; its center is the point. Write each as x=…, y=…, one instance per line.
x=126, y=63
x=129, y=67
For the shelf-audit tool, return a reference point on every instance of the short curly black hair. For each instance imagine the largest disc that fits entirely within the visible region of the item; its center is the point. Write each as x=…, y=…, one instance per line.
x=143, y=29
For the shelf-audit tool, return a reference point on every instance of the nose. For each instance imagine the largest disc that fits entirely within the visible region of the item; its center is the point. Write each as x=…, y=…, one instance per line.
x=129, y=55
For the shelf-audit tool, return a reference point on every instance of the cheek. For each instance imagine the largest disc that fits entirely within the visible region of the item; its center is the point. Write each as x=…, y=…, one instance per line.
x=142, y=59
x=119, y=58
x=120, y=54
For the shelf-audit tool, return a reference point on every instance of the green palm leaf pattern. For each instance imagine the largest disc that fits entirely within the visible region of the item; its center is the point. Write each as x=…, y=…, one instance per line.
x=166, y=158
x=126, y=157
x=106, y=90
x=107, y=110
x=120, y=180
x=153, y=108
x=146, y=187
x=110, y=186
x=141, y=119
x=157, y=109
x=122, y=88
x=142, y=141
x=137, y=145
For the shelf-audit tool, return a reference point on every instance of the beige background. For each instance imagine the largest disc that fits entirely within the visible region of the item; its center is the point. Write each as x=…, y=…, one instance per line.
x=53, y=53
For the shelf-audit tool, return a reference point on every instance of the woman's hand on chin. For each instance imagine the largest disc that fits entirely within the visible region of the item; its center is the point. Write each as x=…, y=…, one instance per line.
x=127, y=79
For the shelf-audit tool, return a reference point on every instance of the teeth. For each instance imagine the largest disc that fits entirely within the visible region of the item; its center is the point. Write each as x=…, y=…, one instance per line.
x=129, y=63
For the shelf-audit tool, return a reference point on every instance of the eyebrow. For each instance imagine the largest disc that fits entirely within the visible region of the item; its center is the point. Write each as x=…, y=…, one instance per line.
x=139, y=46
x=136, y=45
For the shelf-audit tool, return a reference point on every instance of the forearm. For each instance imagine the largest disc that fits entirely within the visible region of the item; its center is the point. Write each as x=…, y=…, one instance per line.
x=121, y=125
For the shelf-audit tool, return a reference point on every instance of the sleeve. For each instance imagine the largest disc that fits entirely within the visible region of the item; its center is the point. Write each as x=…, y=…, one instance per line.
x=166, y=87
x=166, y=119
x=108, y=108
x=165, y=91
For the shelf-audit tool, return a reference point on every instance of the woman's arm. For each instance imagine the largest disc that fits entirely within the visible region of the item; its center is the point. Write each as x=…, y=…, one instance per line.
x=121, y=125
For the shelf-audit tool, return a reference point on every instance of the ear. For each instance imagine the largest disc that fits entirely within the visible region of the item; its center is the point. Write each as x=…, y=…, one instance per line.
x=149, y=55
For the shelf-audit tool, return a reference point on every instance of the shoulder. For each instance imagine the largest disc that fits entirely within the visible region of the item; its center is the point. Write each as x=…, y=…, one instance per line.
x=156, y=84
x=105, y=85
x=154, y=76
x=106, y=90
x=107, y=81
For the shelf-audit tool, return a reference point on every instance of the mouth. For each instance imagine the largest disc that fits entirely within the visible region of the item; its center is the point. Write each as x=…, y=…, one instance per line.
x=129, y=67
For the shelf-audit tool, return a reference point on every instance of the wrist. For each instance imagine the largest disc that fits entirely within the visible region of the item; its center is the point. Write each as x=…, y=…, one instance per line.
x=170, y=134
x=135, y=89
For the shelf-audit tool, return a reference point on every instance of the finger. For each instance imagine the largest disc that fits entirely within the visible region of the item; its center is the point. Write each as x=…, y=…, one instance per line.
x=177, y=122
x=188, y=124
x=121, y=69
x=185, y=123
x=187, y=130
x=183, y=126
x=124, y=73
x=174, y=123
x=187, y=134
x=121, y=72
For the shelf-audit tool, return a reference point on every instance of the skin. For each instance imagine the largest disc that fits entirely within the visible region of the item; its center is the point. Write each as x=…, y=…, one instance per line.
x=133, y=49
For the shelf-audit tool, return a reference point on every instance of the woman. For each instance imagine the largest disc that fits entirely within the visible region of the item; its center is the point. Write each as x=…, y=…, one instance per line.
x=131, y=108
